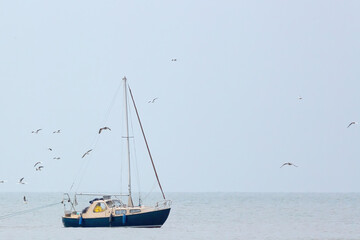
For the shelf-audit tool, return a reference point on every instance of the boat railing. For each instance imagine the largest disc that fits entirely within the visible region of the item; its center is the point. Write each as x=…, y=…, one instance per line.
x=163, y=204
x=101, y=194
x=66, y=199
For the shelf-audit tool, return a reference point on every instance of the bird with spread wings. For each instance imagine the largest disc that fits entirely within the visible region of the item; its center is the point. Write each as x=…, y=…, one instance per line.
x=87, y=153
x=104, y=128
x=288, y=163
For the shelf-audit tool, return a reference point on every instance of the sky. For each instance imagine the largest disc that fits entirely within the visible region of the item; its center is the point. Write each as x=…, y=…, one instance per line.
x=228, y=112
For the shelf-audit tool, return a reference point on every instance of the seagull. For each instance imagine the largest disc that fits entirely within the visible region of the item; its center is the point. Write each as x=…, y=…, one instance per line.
x=57, y=158
x=174, y=60
x=152, y=101
x=288, y=163
x=37, y=131
x=300, y=98
x=104, y=128
x=2, y=181
x=50, y=149
x=86, y=153
x=352, y=123
x=58, y=131
x=25, y=200
x=39, y=168
x=21, y=181
x=37, y=163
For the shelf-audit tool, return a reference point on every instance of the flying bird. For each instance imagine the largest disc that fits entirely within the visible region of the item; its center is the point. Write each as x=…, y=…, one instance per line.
x=174, y=60
x=352, y=124
x=87, y=153
x=21, y=181
x=153, y=100
x=56, y=158
x=288, y=163
x=300, y=98
x=50, y=149
x=58, y=131
x=39, y=168
x=104, y=128
x=25, y=200
x=37, y=163
x=2, y=181
x=36, y=131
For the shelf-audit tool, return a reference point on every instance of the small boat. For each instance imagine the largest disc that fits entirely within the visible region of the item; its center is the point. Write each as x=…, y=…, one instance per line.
x=108, y=210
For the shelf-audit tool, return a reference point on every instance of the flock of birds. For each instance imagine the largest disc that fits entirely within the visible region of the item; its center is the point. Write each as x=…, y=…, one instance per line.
x=291, y=164
x=38, y=165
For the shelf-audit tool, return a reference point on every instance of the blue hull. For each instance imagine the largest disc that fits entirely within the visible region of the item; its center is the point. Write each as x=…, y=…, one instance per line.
x=149, y=219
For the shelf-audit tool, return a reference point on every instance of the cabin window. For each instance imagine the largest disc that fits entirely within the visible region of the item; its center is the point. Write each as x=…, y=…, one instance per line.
x=110, y=204
x=100, y=207
x=120, y=212
x=117, y=203
x=135, y=210
x=85, y=210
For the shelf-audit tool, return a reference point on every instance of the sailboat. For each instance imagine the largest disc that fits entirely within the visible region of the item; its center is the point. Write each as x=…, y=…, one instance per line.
x=108, y=210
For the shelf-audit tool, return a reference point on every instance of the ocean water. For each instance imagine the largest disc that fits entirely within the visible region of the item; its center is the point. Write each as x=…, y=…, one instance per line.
x=202, y=216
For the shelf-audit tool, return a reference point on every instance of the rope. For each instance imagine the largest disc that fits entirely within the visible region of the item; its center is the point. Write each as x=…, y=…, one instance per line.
x=27, y=211
x=151, y=190
x=135, y=157
x=85, y=163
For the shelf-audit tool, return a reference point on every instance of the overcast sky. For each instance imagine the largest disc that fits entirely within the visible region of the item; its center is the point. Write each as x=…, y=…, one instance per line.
x=227, y=114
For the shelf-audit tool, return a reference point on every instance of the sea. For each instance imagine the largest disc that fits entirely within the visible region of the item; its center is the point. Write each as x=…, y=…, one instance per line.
x=198, y=216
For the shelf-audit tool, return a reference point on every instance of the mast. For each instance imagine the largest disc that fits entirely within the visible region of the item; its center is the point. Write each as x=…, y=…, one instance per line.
x=130, y=202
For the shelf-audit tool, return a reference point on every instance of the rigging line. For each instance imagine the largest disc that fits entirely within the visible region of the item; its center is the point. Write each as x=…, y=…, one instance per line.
x=135, y=156
x=80, y=172
x=88, y=160
x=85, y=163
x=122, y=155
x=121, y=167
x=151, y=190
x=112, y=103
x=81, y=175
x=27, y=211
x=147, y=145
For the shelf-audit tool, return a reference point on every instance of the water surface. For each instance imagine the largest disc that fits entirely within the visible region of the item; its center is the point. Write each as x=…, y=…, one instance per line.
x=202, y=216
